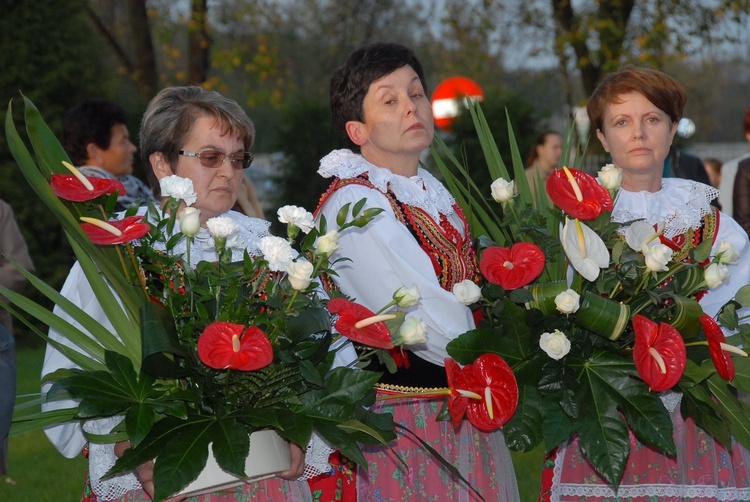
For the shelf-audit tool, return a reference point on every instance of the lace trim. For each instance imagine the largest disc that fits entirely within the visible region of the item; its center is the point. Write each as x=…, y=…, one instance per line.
x=101, y=459
x=423, y=191
x=680, y=205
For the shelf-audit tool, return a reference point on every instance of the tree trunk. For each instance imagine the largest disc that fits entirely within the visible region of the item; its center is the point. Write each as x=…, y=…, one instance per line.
x=145, y=75
x=198, y=42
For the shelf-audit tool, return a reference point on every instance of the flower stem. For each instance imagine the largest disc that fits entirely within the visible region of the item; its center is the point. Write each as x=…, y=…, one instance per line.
x=437, y=392
x=141, y=279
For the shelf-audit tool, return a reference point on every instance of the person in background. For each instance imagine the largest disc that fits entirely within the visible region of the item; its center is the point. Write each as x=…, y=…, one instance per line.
x=543, y=158
x=12, y=247
x=741, y=194
x=729, y=172
x=713, y=168
x=247, y=199
x=379, y=104
x=95, y=137
x=635, y=112
x=201, y=135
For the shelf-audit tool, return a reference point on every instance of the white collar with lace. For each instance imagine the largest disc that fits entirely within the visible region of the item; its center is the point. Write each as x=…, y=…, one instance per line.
x=423, y=190
x=680, y=204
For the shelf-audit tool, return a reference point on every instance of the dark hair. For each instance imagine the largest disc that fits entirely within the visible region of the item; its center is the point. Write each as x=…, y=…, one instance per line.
x=540, y=140
x=666, y=93
x=746, y=121
x=350, y=82
x=171, y=114
x=90, y=121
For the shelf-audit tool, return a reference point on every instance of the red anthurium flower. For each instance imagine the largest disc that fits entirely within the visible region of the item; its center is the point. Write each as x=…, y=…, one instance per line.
x=659, y=353
x=578, y=193
x=69, y=187
x=486, y=391
x=512, y=267
x=459, y=391
x=223, y=345
x=718, y=347
x=360, y=324
x=105, y=233
x=497, y=385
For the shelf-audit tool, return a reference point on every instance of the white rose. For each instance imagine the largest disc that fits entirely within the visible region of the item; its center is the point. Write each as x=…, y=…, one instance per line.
x=412, y=331
x=190, y=221
x=299, y=274
x=568, y=301
x=297, y=216
x=178, y=188
x=727, y=254
x=328, y=243
x=556, y=344
x=610, y=177
x=222, y=227
x=715, y=274
x=277, y=252
x=467, y=292
x=657, y=257
x=406, y=297
x=502, y=190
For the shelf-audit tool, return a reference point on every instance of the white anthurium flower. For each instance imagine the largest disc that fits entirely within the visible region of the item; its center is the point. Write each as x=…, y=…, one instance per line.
x=555, y=344
x=657, y=256
x=300, y=273
x=297, y=216
x=610, y=177
x=277, y=252
x=467, y=292
x=179, y=188
x=584, y=248
x=568, y=301
x=502, y=190
x=727, y=253
x=406, y=297
x=326, y=244
x=412, y=331
x=640, y=234
x=715, y=274
x=190, y=221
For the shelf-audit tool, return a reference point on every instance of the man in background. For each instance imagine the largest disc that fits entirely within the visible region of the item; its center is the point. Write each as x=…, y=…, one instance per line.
x=96, y=139
x=12, y=247
x=729, y=172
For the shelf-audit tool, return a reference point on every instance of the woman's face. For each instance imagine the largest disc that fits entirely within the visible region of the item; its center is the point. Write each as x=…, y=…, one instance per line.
x=397, y=118
x=637, y=134
x=550, y=151
x=216, y=187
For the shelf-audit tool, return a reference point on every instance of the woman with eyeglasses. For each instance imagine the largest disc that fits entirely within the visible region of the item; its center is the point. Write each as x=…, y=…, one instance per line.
x=201, y=135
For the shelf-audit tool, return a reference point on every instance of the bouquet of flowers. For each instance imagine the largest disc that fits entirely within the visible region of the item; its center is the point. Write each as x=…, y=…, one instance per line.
x=203, y=354
x=596, y=318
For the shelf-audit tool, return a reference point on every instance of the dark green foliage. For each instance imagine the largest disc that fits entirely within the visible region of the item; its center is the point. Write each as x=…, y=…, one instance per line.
x=304, y=134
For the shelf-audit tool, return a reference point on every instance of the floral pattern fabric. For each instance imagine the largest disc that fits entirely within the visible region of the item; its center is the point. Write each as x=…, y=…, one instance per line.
x=480, y=457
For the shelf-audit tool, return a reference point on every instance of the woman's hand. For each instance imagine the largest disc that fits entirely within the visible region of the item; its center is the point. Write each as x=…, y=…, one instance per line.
x=145, y=473
x=297, y=466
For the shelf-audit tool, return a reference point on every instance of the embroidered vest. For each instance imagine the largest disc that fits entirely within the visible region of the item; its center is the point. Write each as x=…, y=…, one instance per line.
x=452, y=255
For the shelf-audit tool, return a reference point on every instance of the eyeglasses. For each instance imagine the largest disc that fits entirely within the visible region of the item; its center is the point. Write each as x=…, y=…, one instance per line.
x=213, y=159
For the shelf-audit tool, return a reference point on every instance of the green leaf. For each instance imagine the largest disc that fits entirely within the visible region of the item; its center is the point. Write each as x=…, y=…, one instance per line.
x=523, y=430
x=732, y=409
x=743, y=295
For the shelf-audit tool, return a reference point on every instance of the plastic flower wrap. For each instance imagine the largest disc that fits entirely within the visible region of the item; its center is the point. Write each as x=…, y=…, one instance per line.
x=597, y=322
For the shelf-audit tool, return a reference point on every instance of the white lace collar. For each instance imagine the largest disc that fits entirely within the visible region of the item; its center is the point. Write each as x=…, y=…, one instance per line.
x=680, y=205
x=423, y=190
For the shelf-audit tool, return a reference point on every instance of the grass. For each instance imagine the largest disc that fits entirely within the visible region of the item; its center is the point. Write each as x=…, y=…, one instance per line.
x=43, y=475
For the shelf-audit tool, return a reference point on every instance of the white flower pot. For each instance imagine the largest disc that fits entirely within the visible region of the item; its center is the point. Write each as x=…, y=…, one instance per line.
x=269, y=455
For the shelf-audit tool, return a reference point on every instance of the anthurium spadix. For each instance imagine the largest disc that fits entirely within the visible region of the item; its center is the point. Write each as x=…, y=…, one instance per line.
x=584, y=248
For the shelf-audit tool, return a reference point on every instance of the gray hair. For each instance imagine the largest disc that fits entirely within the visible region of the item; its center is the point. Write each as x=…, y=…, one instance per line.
x=171, y=114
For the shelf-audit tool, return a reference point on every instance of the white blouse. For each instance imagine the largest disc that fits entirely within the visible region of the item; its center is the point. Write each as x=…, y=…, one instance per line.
x=384, y=255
